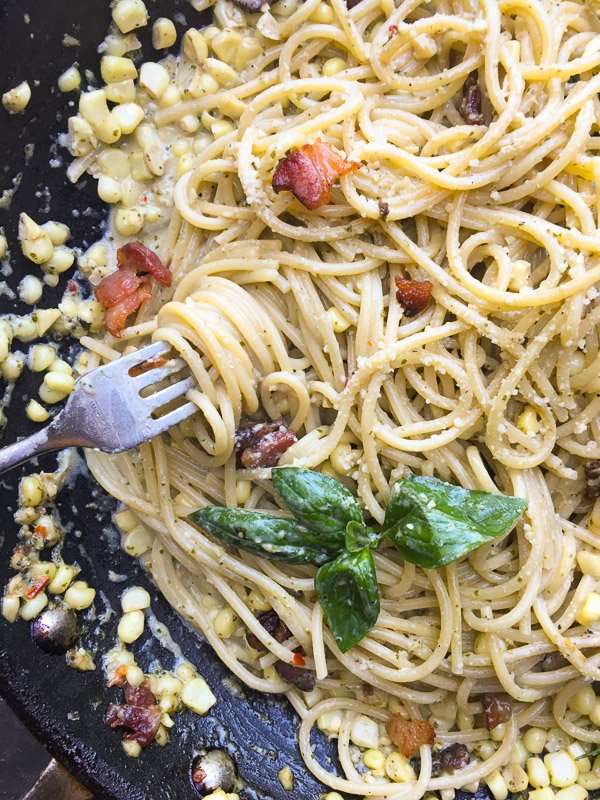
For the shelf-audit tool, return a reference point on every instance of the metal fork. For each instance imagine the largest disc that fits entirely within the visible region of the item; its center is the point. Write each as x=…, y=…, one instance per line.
x=105, y=410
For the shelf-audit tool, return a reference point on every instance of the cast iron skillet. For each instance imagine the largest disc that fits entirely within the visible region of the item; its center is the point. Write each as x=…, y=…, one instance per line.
x=63, y=707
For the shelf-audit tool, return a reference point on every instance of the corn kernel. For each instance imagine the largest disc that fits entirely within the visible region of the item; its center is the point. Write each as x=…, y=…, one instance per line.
x=42, y=569
x=135, y=676
x=69, y=80
x=534, y=740
x=332, y=66
x=58, y=382
x=497, y=785
x=221, y=128
x=129, y=14
x=62, y=579
x=537, y=773
x=515, y=777
x=36, y=412
x=561, y=768
x=33, y=607
x=248, y=49
x=333, y=796
x=115, y=69
x=189, y=124
x=129, y=116
x=57, y=231
x=11, y=367
x=131, y=626
x=398, y=768
x=197, y=695
x=30, y=491
x=138, y=541
x=528, y=421
x=82, y=138
x=184, y=164
x=222, y=72
x=339, y=323
x=578, y=754
x=125, y=520
x=589, y=780
x=131, y=747
x=122, y=92
x=109, y=190
x=135, y=599
x=36, y=244
x=542, y=794
x=128, y=222
x=154, y=78
x=16, y=99
x=10, y=608
x=589, y=611
x=170, y=97
x=225, y=45
x=194, y=46
x=323, y=14
x=164, y=34
x=225, y=622
x=374, y=759
x=589, y=563
x=243, y=489
x=365, y=732
x=257, y=602
x=571, y=793
x=79, y=596
x=3, y=246
x=582, y=701
x=30, y=289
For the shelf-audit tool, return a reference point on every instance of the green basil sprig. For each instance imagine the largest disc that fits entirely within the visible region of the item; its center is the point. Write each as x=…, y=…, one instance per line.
x=429, y=522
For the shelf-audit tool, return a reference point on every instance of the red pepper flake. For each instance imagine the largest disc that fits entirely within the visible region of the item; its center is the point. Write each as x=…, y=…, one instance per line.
x=37, y=587
x=310, y=172
x=71, y=287
x=393, y=30
x=40, y=530
x=298, y=660
x=413, y=296
x=370, y=343
x=119, y=677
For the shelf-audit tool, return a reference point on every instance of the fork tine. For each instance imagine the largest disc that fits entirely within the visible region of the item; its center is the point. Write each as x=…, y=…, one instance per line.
x=164, y=396
x=157, y=373
x=174, y=417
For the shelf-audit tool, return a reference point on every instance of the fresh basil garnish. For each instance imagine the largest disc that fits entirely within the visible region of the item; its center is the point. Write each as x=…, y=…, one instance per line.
x=429, y=522
x=432, y=523
x=349, y=596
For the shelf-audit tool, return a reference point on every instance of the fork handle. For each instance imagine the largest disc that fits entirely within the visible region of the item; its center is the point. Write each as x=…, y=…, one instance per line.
x=24, y=449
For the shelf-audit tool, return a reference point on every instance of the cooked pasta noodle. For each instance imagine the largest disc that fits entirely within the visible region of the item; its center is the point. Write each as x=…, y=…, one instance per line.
x=493, y=386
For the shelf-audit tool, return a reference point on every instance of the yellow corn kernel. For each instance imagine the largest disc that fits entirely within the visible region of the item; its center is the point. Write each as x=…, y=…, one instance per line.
x=131, y=626
x=201, y=142
x=109, y=190
x=33, y=607
x=11, y=367
x=164, y=33
x=197, y=695
x=3, y=246
x=36, y=243
x=561, y=768
x=537, y=773
x=125, y=520
x=583, y=700
x=257, y=602
x=180, y=147
x=210, y=32
x=242, y=491
x=69, y=80
x=170, y=97
x=184, y=164
x=221, y=128
x=115, y=69
x=36, y=412
x=398, y=768
x=131, y=747
x=542, y=794
x=225, y=45
x=79, y=596
x=248, y=49
x=589, y=781
x=578, y=754
x=589, y=611
x=194, y=46
x=57, y=231
x=518, y=754
x=374, y=759
x=190, y=123
x=30, y=289
x=128, y=222
x=135, y=599
x=572, y=793
x=122, y=92
x=515, y=777
x=222, y=72
x=135, y=676
x=203, y=84
x=338, y=321
x=333, y=796
x=528, y=421
x=138, y=541
x=30, y=491
x=129, y=14
x=10, y=608
x=42, y=569
x=332, y=66
x=521, y=273
x=465, y=722
x=185, y=672
x=58, y=382
x=497, y=785
x=139, y=170
x=62, y=579
x=534, y=740
x=16, y=99
x=323, y=14
x=231, y=106
x=82, y=138
x=589, y=564
x=225, y=622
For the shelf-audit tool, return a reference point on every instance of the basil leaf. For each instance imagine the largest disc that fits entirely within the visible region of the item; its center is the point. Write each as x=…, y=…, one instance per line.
x=360, y=536
x=318, y=502
x=348, y=593
x=432, y=523
x=263, y=535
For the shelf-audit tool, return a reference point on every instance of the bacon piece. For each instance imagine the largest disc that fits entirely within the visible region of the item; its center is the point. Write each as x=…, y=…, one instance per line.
x=147, y=365
x=592, y=478
x=143, y=722
x=497, y=709
x=351, y=3
x=274, y=626
x=139, y=695
x=115, y=318
x=262, y=444
x=413, y=296
x=116, y=287
x=310, y=172
x=409, y=735
x=384, y=209
x=471, y=103
x=136, y=256
x=450, y=758
x=302, y=678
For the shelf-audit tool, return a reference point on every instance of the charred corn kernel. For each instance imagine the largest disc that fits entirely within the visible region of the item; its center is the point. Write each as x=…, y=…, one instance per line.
x=561, y=768
x=36, y=244
x=365, y=732
x=3, y=246
x=109, y=190
x=69, y=80
x=57, y=231
x=82, y=138
x=332, y=66
x=189, y=124
x=197, y=695
x=33, y=607
x=79, y=596
x=194, y=46
x=257, y=602
x=154, y=78
x=589, y=564
x=589, y=610
x=518, y=754
x=30, y=289
x=225, y=45
x=374, y=759
x=131, y=626
x=398, y=768
x=497, y=785
x=128, y=222
x=57, y=382
x=201, y=142
x=248, y=49
x=11, y=367
x=184, y=164
x=115, y=69
x=135, y=676
x=16, y=99
x=135, y=599
x=138, y=541
x=180, y=147
x=10, y=608
x=537, y=773
x=576, y=363
x=170, y=97
x=125, y=520
x=534, y=739
x=42, y=569
x=113, y=162
x=339, y=323
x=528, y=421
x=221, y=128
x=131, y=747
x=324, y=15
x=589, y=780
x=36, y=412
x=164, y=34
x=572, y=793
x=122, y=92
x=30, y=491
x=225, y=622
x=583, y=700
x=242, y=491
x=222, y=72
x=515, y=777
x=542, y=794
x=129, y=14
x=62, y=579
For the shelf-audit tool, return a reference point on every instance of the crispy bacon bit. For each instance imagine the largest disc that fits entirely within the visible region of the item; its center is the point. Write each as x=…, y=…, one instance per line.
x=302, y=679
x=115, y=318
x=146, y=366
x=310, y=172
x=262, y=445
x=413, y=296
x=140, y=713
x=409, y=735
x=136, y=256
x=116, y=286
x=37, y=587
x=450, y=758
x=471, y=103
x=71, y=287
x=384, y=209
x=497, y=709
x=299, y=660
x=592, y=478
x=274, y=626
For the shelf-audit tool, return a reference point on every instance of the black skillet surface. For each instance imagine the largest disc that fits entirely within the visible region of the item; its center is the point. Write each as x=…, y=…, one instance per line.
x=64, y=707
